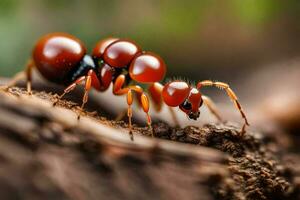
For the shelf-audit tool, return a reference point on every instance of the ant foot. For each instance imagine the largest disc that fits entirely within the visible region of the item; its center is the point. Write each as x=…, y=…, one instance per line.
x=243, y=130
x=131, y=135
x=151, y=132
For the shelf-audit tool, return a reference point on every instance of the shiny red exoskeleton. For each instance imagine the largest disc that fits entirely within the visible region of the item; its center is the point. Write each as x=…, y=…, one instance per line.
x=62, y=58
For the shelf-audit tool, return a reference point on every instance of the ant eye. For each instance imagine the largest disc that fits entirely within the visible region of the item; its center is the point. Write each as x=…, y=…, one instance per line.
x=187, y=105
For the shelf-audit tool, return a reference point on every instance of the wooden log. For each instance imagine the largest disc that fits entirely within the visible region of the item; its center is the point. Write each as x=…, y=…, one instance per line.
x=46, y=153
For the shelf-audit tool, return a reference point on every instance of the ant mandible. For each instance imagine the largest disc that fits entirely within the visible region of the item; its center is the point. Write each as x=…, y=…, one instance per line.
x=62, y=58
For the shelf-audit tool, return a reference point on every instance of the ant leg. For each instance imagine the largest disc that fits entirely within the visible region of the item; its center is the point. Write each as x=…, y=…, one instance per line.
x=69, y=89
x=155, y=91
x=29, y=67
x=20, y=76
x=144, y=103
x=231, y=95
x=129, y=112
x=146, y=106
x=118, y=90
x=87, y=88
x=212, y=107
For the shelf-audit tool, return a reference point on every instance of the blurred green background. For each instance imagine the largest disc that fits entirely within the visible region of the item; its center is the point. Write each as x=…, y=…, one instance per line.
x=205, y=39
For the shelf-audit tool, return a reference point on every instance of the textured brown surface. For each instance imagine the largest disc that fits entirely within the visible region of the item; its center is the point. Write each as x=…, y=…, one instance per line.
x=46, y=154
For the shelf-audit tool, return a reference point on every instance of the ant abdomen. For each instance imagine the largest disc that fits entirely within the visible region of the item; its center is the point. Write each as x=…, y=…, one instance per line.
x=56, y=55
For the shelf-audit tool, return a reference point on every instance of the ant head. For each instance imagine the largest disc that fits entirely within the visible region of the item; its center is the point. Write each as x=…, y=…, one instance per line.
x=179, y=93
x=191, y=104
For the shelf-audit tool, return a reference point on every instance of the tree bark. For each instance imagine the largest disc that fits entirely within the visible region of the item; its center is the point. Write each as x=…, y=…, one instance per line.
x=46, y=153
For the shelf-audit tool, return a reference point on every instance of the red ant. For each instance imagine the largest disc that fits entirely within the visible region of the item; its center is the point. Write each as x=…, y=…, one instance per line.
x=62, y=58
